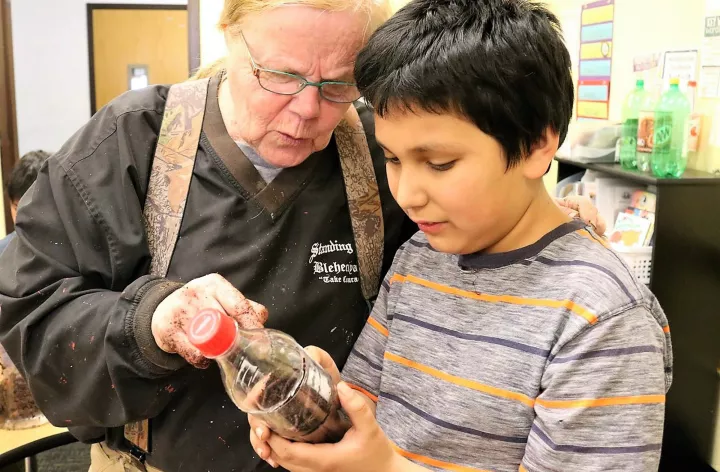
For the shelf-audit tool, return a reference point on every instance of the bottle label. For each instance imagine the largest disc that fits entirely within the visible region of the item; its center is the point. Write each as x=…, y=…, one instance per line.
x=645, y=132
x=663, y=132
x=627, y=144
x=693, y=132
x=628, y=140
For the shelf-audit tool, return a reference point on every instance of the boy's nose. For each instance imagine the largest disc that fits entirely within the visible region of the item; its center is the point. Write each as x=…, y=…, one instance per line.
x=410, y=194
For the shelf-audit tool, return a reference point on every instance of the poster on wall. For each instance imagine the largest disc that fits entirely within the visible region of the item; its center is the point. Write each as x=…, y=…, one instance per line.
x=681, y=65
x=595, y=64
x=710, y=58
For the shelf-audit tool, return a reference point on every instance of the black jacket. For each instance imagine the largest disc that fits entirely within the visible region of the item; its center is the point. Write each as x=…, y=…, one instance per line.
x=76, y=301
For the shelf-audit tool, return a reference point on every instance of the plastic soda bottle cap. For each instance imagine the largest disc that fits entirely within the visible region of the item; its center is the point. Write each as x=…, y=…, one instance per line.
x=674, y=81
x=212, y=332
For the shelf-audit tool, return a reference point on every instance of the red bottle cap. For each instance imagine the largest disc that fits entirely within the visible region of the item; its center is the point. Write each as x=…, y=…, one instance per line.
x=212, y=332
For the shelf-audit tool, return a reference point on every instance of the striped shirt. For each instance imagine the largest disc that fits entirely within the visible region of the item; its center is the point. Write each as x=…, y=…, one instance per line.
x=548, y=358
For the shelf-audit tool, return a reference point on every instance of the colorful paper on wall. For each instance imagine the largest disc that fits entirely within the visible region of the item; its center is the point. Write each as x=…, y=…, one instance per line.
x=710, y=59
x=595, y=65
x=647, y=62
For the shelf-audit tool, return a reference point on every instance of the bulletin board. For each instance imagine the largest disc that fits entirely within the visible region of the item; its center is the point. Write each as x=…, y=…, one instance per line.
x=595, y=60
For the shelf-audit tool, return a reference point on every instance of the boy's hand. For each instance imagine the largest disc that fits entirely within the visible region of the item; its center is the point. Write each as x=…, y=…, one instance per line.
x=259, y=430
x=325, y=361
x=582, y=207
x=364, y=447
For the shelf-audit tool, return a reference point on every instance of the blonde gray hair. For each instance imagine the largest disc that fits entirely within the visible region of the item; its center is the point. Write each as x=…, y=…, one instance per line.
x=235, y=11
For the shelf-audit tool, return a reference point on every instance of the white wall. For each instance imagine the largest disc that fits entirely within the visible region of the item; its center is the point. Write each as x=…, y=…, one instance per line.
x=212, y=42
x=52, y=83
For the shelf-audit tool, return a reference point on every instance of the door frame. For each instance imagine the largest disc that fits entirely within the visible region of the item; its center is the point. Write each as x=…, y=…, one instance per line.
x=118, y=6
x=193, y=8
x=8, y=118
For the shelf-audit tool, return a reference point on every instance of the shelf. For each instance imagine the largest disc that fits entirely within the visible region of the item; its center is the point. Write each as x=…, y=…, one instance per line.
x=690, y=176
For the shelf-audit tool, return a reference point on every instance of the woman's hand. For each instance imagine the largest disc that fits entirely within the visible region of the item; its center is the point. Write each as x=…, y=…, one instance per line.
x=173, y=315
x=583, y=208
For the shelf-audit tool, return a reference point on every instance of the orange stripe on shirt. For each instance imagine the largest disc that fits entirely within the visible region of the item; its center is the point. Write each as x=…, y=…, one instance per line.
x=666, y=329
x=435, y=462
x=586, y=234
x=511, y=299
x=363, y=391
x=375, y=324
x=497, y=392
x=397, y=278
x=598, y=402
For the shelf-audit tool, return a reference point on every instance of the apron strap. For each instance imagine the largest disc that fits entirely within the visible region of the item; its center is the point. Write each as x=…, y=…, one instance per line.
x=363, y=197
x=167, y=194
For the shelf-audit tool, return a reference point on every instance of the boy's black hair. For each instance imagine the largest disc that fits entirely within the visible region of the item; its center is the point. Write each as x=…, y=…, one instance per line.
x=24, y=174
x=502, y=64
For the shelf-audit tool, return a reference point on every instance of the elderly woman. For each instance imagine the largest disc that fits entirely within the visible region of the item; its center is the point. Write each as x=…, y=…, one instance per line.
x=99, y=333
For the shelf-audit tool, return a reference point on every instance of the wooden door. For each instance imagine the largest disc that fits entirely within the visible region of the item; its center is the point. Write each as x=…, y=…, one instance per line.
x=154, y=38
x=8, y=122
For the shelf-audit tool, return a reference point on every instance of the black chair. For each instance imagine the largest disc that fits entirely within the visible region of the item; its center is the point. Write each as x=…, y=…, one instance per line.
x=27, y=451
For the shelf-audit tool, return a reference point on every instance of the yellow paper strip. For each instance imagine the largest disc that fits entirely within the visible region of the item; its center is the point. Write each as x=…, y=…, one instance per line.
x=602, y=50
x=593, y=110
x=598, y=15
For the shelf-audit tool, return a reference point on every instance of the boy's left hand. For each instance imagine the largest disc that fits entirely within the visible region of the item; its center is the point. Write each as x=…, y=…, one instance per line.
x=364, y=447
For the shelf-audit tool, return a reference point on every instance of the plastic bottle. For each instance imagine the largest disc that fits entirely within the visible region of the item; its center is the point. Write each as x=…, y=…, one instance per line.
x=630, y=118
x=266, y=373
x=646, y=129
x=672, y=117
x=695, y=126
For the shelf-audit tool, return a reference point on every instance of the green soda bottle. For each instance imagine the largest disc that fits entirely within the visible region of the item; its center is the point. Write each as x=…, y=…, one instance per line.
x=630, y=117
x=672, y=117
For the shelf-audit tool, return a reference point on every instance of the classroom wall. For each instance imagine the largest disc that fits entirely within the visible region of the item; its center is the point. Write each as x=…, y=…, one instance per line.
x=397, y=4
x=640, y=27
x=212, y=42
x=52, y=81
x=52, y=78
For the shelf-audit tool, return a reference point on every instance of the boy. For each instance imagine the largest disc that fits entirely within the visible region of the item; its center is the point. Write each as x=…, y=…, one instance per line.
x=21, y=179
x=506, y=336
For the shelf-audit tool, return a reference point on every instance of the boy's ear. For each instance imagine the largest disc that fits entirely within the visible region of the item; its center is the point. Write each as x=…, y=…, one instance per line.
x=541, y=155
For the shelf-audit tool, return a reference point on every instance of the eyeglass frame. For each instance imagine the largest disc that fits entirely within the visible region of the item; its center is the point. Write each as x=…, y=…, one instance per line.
x=305, y=82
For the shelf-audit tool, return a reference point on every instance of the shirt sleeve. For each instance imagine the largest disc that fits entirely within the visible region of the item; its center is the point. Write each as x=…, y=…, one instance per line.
x=363, y=369
x=602, y=399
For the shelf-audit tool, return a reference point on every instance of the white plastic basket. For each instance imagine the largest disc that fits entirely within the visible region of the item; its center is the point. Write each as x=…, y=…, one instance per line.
x=640, y=261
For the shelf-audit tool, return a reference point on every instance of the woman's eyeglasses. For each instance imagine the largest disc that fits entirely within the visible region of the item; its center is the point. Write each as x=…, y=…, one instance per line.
x=285, y=83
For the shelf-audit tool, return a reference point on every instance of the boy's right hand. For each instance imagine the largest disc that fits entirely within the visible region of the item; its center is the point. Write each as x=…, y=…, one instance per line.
x=172, y=316
x=259, y=430
x=325, y=361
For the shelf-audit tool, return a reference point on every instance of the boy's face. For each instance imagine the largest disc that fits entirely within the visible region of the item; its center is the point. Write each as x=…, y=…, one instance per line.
x=451, y=179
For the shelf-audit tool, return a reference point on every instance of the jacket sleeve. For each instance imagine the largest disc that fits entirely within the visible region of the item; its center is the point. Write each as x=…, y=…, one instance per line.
x=75, y=303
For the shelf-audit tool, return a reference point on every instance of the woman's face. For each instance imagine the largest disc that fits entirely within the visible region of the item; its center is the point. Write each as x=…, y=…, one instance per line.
x=315, y=44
